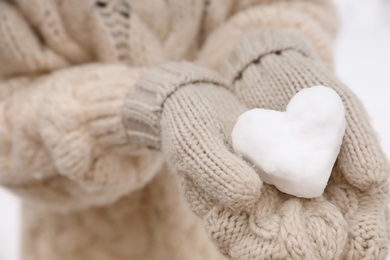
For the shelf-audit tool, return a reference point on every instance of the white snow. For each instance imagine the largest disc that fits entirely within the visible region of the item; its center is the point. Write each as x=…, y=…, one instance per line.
x=9, y=226
x=362, y=61
x=295, y=150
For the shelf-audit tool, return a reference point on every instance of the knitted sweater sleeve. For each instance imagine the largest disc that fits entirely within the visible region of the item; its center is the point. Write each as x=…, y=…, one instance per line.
x=63, y=142
x=317, y=21
x=63, y=139
x=41, y=36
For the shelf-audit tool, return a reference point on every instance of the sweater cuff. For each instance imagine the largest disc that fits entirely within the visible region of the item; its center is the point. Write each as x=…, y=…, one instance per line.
x=143, y=108
x=253, y=47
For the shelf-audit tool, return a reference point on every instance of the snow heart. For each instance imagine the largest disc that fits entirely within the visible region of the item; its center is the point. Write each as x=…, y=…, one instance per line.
x=295, y=150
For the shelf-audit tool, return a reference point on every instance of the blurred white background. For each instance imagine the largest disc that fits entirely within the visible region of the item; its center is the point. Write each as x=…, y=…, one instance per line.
x=362, y=61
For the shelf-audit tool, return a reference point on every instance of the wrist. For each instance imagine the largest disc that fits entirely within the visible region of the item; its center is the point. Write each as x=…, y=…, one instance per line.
x=143, y=108
x=255, y=46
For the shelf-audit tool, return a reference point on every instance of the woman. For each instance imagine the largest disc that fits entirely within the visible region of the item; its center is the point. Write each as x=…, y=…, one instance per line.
x=91, y=114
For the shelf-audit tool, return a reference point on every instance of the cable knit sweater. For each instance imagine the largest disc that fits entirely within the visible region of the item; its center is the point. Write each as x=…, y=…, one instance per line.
x=66, y=69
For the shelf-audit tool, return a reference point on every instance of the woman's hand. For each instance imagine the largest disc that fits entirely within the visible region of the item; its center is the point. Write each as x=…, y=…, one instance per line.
x=266, y=69
x=187, y=112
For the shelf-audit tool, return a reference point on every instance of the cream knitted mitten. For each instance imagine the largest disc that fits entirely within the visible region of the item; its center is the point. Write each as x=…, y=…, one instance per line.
x=266, y=69
x=187, y=112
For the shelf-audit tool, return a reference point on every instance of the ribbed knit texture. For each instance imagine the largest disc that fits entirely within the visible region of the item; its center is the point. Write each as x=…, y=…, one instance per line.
x=195, y=122
x=143, y=109
x=349, y=221
x=75, y=144
x=268, y=68
x=195, y=114
x=313, y=20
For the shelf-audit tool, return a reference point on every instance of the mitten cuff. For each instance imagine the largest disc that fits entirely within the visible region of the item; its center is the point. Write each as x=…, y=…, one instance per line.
x=251, y=48
x=142, y=110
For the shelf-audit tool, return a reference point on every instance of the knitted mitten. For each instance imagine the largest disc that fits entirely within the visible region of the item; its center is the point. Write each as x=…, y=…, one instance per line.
x=187, y=112
x=266, y=69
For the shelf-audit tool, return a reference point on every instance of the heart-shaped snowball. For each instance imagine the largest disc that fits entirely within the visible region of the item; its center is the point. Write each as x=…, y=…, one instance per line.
x=295, y=150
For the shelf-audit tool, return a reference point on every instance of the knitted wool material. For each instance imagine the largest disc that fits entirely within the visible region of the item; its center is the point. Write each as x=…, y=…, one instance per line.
x=195, y=115
x=64, y=146
x=155, y=217
x=268, y=68
x=85, y=163
x=143, y=110
x=348, y=222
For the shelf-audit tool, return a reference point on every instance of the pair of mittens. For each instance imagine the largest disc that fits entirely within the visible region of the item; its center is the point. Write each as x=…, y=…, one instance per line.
x=188, y=112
